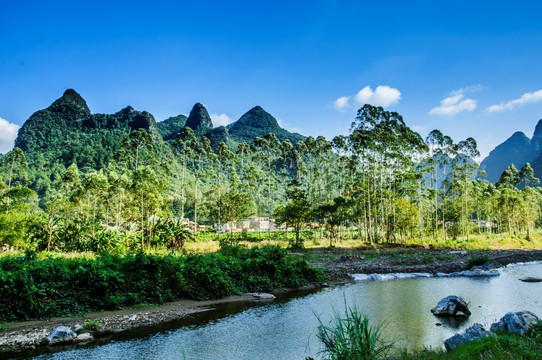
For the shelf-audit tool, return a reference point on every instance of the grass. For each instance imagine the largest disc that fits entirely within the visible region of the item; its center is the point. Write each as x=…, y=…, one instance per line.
x=477, y=261
x=91, y=325
x=504, y=346
x=351, y=337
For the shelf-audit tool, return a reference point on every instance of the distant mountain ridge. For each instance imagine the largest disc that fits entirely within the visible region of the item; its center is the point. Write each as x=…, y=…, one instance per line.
x=67, y=131
x=254, y=123
x=518, y=149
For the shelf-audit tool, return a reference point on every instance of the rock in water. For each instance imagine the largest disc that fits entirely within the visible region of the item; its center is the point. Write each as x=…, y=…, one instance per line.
x=85, y=337
x=531, y=279
x=61, y=335
x=515, y=322
x=476, y=331
x=263, y=296
x=451, y=306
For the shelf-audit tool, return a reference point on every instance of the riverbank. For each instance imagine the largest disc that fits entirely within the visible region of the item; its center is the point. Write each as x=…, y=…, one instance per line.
x=341, y=263
x=338, y=263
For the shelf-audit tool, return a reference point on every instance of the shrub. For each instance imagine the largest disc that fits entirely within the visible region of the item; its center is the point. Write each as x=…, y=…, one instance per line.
x=477, y=261
x=48, y=285
x=91, y=325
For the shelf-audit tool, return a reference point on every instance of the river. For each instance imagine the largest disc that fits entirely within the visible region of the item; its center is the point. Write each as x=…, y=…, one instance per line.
x=285, y=328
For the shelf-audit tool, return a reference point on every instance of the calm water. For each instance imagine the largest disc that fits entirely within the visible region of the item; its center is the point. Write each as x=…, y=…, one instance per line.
x=285, y=328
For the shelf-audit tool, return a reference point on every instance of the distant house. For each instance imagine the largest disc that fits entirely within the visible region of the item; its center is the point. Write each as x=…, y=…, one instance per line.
x=254, y=223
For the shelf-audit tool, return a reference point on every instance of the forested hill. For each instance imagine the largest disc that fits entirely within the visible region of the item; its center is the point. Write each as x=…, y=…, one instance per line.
x=67, y=132
x=518, y=150
x=170, y=127
x=257, y=123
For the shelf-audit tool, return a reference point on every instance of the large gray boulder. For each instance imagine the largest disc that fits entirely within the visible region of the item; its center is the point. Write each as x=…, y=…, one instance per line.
x=476, y=331
x=61, y=335
x=515, y=322
x=451, y=306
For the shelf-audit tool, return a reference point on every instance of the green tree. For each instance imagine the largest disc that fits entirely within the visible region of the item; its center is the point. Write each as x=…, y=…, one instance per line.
x=296, y=213
x=16, y=165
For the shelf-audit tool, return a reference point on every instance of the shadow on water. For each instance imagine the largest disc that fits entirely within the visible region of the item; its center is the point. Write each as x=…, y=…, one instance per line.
x=453, y=322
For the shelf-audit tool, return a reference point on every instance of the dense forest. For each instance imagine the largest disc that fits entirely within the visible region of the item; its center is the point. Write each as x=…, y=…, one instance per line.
x=78, y=181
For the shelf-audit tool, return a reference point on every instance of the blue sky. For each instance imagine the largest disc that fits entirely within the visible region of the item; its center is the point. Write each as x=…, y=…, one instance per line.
x=467, y=68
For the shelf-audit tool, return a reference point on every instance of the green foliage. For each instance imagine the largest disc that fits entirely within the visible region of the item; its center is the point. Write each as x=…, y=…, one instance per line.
x=257, y=123
x=91, y=325
x=503, y=346
x=33, y=287
x=477, y=261
x=351, y=337
x=297, y=212
x=170, y=127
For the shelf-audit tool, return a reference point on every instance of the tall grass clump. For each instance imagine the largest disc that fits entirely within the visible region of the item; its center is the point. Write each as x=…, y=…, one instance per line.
x=351, y=337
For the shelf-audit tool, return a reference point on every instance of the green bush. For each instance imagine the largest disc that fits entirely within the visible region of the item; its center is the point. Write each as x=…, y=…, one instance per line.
x=49, y=285
x=477, y=261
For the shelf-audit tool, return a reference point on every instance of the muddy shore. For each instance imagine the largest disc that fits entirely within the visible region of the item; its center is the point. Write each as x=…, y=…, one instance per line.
x=29, y=335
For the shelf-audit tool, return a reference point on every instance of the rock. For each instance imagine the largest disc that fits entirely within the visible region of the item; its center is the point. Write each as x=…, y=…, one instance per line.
x=458, y=252
x=61, y=335
x=531, y=279
x=263, y=296
x=476, y=331
x=78, y=328
x=515, y=322
x=451, y=306
x=85, y=337
x=484, y=267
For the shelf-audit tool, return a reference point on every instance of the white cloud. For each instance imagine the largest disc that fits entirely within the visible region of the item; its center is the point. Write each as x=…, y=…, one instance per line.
x=383, y=95
x=526, y=98
x=456, y=102
x=342, y=103
x=470, y=88
x=8, y=133
x=220, y=119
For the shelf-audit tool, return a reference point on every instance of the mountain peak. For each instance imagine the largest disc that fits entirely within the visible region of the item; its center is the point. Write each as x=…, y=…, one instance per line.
x=71, y=99
x=258, y=122
x=257, y=117
x=199, y=120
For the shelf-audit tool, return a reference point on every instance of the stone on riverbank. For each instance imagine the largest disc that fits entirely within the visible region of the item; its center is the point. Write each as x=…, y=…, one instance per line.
x=61, y=335
x=476, y=331
x=85, y=337
x=451, y=306
x=515, y=322
x=263, y=296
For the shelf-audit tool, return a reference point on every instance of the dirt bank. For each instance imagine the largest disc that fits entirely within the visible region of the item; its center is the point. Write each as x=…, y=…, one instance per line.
x=423, y=261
